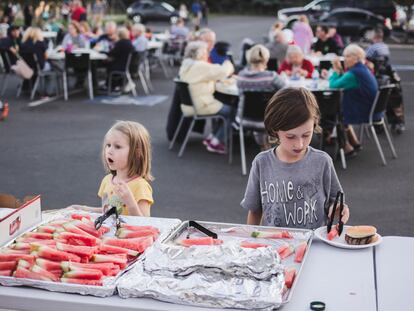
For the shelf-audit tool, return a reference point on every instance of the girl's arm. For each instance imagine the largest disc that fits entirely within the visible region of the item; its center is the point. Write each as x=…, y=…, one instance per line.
x=254, y=218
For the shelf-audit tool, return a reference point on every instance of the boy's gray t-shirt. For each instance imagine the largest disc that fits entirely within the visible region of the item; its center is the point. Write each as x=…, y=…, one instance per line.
x=291, y=194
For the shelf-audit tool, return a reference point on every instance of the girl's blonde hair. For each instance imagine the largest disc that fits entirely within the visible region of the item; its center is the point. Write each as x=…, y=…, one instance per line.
x=139, y=157
x=290, y=108
x=258, y=54
x=33, y=33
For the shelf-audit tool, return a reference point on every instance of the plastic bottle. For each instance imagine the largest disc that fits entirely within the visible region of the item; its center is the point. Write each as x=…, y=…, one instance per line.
x=315, y=79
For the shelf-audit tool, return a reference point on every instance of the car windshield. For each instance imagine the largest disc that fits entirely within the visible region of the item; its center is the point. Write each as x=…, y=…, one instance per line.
x=310, y=5
x=168, y=7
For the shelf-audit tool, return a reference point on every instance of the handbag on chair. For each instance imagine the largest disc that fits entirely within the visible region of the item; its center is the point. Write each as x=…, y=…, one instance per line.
x=22, y=69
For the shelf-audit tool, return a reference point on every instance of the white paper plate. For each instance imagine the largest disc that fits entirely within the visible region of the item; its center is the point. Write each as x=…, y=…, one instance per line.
x=340, y=241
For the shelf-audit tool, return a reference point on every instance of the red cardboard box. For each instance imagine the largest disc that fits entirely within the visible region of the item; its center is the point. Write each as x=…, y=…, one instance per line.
x=24, y=215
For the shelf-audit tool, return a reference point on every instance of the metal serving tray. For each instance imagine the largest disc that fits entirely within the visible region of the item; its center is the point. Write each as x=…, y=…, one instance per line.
x=227, y=232
x=165, y=225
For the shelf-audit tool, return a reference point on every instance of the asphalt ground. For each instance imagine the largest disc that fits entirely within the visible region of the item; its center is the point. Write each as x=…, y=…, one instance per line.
x=54, y=150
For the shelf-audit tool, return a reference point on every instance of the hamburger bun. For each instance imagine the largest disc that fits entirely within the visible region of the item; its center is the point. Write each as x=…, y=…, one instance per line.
x=359, y=235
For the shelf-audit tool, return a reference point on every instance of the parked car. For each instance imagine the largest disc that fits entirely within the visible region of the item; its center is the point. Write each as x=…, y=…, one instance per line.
x=354, y=22
x=317, y=8
x=146, y=10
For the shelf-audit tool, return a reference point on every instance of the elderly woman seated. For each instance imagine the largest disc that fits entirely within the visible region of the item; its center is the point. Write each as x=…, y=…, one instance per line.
x=360, y=89
x=201, y=77
x=73, y=39
x=295, y=65
x=256, y=78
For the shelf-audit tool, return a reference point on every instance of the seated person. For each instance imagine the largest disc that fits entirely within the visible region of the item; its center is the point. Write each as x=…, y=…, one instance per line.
x=220, y=52
x=201, y=77
x=325, y=44
x=295, y=65
x=139, y=40
x=332, y=32
x=179, y=29
x=10, y=45
x=278, y=47
x=360, y=89
x=378, y=49
x=73, y=39
x=105, y=42
x=256, y=78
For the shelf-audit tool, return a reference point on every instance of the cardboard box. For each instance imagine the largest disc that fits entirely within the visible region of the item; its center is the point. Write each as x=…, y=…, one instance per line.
x=22, y=216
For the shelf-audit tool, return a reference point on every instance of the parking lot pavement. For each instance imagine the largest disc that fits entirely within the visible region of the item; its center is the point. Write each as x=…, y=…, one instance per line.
x=54, y=150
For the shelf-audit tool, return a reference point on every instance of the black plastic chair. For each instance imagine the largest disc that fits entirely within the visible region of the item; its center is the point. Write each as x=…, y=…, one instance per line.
x=77, y=64
x=273, y=64
x=250, y=116
x=380, y=106
x=186, y=99
x=125, y=74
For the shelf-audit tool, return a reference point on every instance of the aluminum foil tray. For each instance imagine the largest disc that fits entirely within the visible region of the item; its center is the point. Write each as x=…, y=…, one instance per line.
x=165, y=225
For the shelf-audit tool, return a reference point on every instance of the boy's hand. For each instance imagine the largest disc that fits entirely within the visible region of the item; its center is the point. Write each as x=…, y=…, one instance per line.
x=345, y=213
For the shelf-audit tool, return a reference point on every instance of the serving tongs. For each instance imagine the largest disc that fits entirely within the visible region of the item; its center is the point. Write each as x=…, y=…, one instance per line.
x=338, y=200
x=201, y=228
x=112, y=211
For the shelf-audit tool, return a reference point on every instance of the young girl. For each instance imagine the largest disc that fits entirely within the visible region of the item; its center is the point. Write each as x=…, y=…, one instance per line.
x=126, y=155
x=292, y=185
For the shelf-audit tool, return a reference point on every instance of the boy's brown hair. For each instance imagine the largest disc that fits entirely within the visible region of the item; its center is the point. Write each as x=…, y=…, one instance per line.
x=290, y=108
x=139, y=157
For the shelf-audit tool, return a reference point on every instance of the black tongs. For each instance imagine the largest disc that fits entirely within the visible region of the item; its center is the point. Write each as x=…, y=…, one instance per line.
x=202, y=229
x=338, y=200
x=112, y=211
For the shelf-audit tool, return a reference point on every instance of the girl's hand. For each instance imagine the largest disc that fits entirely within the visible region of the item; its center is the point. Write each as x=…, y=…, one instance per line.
x=122, y=190
x=345, y=213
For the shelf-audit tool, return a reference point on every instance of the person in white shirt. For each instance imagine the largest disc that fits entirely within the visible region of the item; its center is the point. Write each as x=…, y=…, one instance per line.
x=139, y=41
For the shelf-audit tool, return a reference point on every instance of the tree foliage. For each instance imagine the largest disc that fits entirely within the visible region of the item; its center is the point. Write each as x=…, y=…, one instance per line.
x=408, y=8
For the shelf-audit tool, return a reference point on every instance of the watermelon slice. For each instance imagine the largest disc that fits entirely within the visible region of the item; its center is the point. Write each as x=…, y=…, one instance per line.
x=290, y=274
x=105, y=267
x=33, y=240
x=285, y=251
x=71, y=227
x=109, y=249
x=5, y=272
x=20, y=245
x=200, y=241
x=247, y=244
x=136, y=244
x=24, y=273
x=86, y=274
x=46, y=229
x=81, y=281
x=8, y=265
x=272, y=235
x=139, y=228
x=45, y=273
x=130, y=234
x=39, y=235
x=332, y=234
x=83, y=251
x=48, y=264
x=114, y=271
x=80, y=216
x=300, y=252
x=7, y=250
x=88, y=228
x=77, y=239
x=120, y=260
x=24, y=264
x=16, y=257
x=53, y=254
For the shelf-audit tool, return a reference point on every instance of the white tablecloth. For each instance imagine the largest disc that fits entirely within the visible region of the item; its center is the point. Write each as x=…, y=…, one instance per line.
x=94, y=55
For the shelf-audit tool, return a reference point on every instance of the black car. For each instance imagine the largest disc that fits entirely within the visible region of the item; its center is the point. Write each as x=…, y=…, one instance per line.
x=316, y=9
x=147, y=10
x=354, y=23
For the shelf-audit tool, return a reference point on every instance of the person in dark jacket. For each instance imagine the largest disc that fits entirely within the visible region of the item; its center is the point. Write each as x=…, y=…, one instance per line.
x=10, y=45
x=360, y=89
x=325, y=44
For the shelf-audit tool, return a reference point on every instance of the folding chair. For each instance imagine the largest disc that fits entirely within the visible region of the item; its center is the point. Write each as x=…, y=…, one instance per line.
x=77, y=64
x=187, y=100
x=272, y=64
x=380, y=106
x=329, y=103
x=125, y=74
x=250, y=116
x=138, y=69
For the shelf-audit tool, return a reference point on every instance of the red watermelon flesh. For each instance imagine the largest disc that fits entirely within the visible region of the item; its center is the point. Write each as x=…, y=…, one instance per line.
x=81, y=281
x=45, y=273
x=39, y=235
x=110, y=249
x=46, y=229
x=8, y=265
x=332, y=234
x=86, y=274
x=83, y=251
x=140, y=228
x=27, y=274
x=48, y=264
x=16, y=257
x=286, y=252
x=247, y=244
x=272, y=234
x=53, y=254
x=5, y=272
x=300, y=251
x=33, y=240
x=197, y=241
x=136, y=244
x=290, y=274
x=105, y=267
x=119, y=259
x=71, y=227
x=77, y=239
x=88, y=228
x=80, y=216
x=130, y=234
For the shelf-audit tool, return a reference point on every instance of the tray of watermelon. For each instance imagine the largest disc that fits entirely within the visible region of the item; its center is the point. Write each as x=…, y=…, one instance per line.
x=66, y=253
x=292, y=245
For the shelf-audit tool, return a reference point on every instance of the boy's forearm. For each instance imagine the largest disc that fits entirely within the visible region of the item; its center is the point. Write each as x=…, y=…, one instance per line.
x=254, y=218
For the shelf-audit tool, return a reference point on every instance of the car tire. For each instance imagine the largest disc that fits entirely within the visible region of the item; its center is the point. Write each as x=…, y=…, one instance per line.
x=137, y=19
